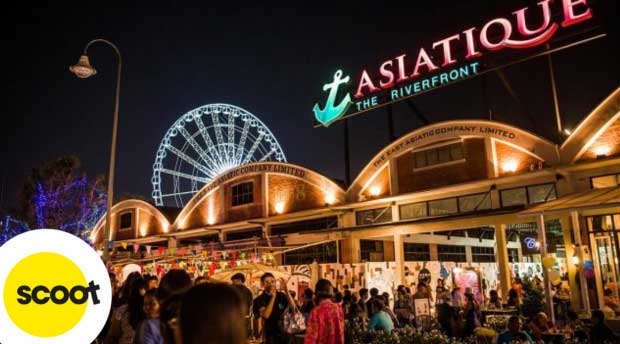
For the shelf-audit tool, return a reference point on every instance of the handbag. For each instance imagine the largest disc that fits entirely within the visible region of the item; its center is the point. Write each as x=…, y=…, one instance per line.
x=293, y=320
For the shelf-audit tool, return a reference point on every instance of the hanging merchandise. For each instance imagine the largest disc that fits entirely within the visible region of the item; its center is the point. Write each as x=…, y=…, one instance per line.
x=212, y=268
x=424, y=276
x=443, y=272
x=148, y=250
x=124, y=244
x=588, y=269
x=136, y=247
x=160, y=250
x=548, y=262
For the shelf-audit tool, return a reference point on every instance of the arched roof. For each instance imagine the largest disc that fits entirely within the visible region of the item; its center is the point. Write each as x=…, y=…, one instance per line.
x=291, y=170
x=133, y=203
x=591, y=128
x=442, y=131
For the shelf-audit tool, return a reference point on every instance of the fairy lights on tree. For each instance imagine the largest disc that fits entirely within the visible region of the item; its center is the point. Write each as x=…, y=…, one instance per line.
x=59, y=195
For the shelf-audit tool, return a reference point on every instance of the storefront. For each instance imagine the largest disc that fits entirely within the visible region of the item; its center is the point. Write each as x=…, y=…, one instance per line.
x=465, y=201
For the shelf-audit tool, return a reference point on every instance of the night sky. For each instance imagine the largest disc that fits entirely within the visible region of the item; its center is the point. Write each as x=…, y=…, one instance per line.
x=269, y=58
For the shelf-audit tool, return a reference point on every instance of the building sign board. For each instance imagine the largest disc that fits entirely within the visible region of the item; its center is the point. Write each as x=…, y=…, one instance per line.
x=449, y=60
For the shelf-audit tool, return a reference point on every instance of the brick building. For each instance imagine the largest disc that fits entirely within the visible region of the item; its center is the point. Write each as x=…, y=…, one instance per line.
x=469, y=201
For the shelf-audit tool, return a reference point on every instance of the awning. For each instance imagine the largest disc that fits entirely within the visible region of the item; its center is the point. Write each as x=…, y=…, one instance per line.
x=579, y=201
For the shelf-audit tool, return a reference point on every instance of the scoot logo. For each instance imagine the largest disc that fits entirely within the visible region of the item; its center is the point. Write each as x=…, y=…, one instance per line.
x=54, y=289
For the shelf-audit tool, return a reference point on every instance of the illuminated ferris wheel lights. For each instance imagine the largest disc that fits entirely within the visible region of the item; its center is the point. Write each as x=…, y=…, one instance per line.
x=205, y=143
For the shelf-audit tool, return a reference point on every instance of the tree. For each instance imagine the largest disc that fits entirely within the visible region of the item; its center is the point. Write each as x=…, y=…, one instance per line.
x=533, y=301
x=59, y=195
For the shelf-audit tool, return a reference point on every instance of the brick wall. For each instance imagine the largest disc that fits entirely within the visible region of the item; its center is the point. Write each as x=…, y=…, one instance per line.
x=126, y=233
x=219, y=204
x=246, y=211
x=150, y=224
x=509, y=155
x=382, y=182
x=295, y=194
x=146, y=221
x=608, y=143
x=473, y=168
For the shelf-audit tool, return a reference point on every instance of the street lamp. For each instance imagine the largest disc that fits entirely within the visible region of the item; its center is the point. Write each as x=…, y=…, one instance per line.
x=84, y=70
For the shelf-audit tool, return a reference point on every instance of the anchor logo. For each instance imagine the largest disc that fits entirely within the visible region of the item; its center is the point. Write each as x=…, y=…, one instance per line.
x=331, y=113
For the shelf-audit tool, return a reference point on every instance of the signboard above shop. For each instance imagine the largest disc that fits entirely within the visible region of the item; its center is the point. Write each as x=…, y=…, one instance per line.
x=521, y=34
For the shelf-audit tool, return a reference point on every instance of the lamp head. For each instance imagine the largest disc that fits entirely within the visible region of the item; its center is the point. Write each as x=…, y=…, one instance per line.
x=83, y=69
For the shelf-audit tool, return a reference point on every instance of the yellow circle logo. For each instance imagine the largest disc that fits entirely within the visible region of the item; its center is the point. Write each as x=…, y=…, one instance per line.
x=46, y=294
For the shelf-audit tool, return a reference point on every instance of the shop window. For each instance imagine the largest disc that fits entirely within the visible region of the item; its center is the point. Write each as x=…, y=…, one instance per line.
x=451, y=253
x=541, y=193
x=244, y=234
x=601, y=223
x=513, y=255
x=243, y=194
x=371, y=250
x=607, y=181
x=413, y=211
x=474, y=202
x=445, y=206
x=126, y=220
x=305, y=226
x=417, y=252
x=371, y=216
x=323, y=253
x=482, y=254
x=438, y=155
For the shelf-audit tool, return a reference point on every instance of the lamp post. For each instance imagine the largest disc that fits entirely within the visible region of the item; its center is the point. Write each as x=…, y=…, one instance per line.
x=84, y=70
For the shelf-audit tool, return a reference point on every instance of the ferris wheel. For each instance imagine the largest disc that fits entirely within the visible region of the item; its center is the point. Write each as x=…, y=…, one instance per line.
x=204, y=143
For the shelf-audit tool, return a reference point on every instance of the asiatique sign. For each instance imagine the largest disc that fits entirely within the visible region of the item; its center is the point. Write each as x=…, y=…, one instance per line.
x=446, y=61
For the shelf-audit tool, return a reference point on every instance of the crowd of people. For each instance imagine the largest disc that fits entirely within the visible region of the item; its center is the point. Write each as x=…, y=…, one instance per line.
x=179, y=310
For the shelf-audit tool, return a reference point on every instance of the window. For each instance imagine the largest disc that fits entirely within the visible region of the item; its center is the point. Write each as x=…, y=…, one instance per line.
x=486, y=233
x=482, y=254
x=417, y=252
x=438, y=155
x=513, y=197
x=605, y=181
x=443, y=207
x=474, y=202
x=446, y=206
x=324, y=253
x=450, y=253
x=126, y=220
x=601, y=223
x=378, y=215
x=243, y=194
x=513, y=255
x=413, y=211
x=541, y=193
x=244, y=234
x=528, y=195
x=371, y=250
x=305, y=226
